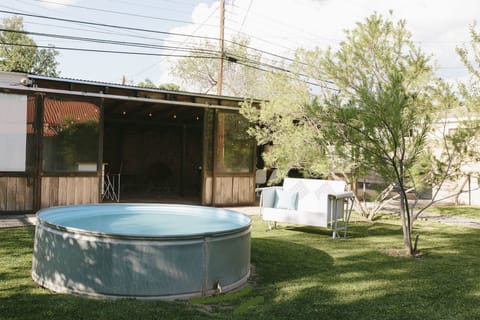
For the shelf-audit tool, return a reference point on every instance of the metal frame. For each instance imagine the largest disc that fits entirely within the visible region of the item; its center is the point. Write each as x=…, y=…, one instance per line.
x=347, y=211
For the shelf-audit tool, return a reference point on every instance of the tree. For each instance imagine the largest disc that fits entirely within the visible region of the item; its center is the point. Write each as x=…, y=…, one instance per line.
x=20, y=53
x=169, y=86
x=470, y=91
x=390, y=108
x=283, y=123
x=241, y=76
x=383, y=108
x=166, y=86
x=471, y=58
x=379, y=117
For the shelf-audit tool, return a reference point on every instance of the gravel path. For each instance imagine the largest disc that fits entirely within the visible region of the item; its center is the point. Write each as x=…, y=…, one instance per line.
x=459, y=221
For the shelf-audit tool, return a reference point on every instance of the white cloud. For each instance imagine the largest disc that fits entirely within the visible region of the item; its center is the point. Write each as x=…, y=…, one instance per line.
x=438, y=26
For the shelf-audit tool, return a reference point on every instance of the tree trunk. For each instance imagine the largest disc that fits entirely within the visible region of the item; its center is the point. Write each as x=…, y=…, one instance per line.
x=406, y=224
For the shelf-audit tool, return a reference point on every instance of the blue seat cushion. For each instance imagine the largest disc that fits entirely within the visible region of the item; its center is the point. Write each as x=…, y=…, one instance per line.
x=285, y=199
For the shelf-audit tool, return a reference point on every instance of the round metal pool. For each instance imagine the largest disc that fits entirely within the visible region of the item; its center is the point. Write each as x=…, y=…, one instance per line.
x=148, y=251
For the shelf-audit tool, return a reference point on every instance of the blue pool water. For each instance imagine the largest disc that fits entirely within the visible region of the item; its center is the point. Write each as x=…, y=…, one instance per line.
x=145, y=220
x=141, y=251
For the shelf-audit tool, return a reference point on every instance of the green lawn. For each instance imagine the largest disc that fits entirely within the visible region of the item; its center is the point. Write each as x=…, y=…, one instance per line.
x=299, y=273
x=457, y=211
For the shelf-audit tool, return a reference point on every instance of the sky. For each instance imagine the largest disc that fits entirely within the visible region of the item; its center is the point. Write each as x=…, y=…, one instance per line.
x=278, y=27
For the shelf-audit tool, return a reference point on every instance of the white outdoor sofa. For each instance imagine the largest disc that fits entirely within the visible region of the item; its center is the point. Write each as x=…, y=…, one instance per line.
x=321, y=203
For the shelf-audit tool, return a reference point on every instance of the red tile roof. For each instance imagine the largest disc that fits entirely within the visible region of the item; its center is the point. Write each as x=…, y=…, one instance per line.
x=57, y=111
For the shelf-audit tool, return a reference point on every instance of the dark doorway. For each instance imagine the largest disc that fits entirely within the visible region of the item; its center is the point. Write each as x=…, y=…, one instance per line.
x=156, y=149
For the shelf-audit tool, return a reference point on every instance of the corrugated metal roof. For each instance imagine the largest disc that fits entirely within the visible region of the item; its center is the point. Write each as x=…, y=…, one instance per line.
x=123, y=86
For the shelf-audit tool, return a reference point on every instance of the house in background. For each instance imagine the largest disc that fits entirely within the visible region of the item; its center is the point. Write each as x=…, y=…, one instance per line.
x=60, y=138
x=465, y=189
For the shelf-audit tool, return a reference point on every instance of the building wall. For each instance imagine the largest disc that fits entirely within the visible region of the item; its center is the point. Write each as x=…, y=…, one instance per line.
x=16, y=194
x=57, y=170
x=61, y=191
x=465, y=189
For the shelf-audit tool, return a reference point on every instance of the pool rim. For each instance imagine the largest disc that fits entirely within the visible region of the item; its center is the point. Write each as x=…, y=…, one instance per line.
x=191, y=236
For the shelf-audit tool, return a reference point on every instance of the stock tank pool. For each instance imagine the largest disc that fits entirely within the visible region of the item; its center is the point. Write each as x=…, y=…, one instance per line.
x=143, y=251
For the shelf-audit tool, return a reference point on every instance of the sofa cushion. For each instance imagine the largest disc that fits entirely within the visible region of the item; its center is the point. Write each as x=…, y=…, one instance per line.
x=285, y=199
x=268, y=197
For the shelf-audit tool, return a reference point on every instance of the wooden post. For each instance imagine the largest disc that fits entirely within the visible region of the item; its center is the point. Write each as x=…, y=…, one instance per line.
x=221, y=48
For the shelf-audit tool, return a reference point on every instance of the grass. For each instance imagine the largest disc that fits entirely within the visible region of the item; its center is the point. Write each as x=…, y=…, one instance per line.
x=457, y=211
x=299, y=273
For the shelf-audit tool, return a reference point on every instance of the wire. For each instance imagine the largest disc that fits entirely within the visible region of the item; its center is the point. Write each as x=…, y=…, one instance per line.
x=112, y=11
x=290, y=77
x=257, y=67
x=137, y=4
x=142, y=30
x=246, y=14
x=109, y=51
x=181, y=43
x=278, y=68
x=286, y=25
x=114, y=42
x=106, y=25
x=190, y=50
x=154, y=46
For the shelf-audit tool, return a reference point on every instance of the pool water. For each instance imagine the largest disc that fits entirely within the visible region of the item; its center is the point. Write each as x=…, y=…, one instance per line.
x=145, y=220
x=141, y=251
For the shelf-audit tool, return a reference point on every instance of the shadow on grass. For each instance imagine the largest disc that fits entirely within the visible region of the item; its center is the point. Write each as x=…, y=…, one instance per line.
x=60, y=306
x=277, y=261
x=357, y=279
x=354, y=230
x=300, y=274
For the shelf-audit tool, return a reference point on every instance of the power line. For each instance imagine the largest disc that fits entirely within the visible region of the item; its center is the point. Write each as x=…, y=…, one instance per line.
x=169, y=55
x=109, y=51
x=154, y=46
x=142, y=4
x=39, y=6
x=290, y=77
x=183, y=3
x=190, y=50
x=139, y=29
x=246, y=14
x=181, y=42
x=286, y=25
x=105, y=25
x=112, y=11
x=143, y=30
x=114, y=42
x=258, y=65
x=278, y=68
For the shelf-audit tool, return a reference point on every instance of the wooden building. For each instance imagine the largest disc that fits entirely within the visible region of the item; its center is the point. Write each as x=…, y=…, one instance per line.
x=60, y=138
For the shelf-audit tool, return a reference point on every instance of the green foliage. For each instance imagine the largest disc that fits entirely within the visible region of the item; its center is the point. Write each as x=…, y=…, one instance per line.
x=166, y=86
x=199, y=71
x=77, y=142
x=283, y=123
x=236, y=155
x=18, y=52
x=471, y=57
x=169, y=86
x=147, y=84
x=382, y=110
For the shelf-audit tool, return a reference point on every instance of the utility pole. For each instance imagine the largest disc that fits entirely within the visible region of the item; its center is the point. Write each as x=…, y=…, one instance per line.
x=221, y=46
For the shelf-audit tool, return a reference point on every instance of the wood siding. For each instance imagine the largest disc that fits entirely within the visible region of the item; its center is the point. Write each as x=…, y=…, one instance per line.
x=16, y=194
x=60, y=191
x=234, y=190
x=207, y=191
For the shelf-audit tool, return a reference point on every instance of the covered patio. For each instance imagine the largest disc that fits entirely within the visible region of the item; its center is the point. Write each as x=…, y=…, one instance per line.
x=161, y=146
